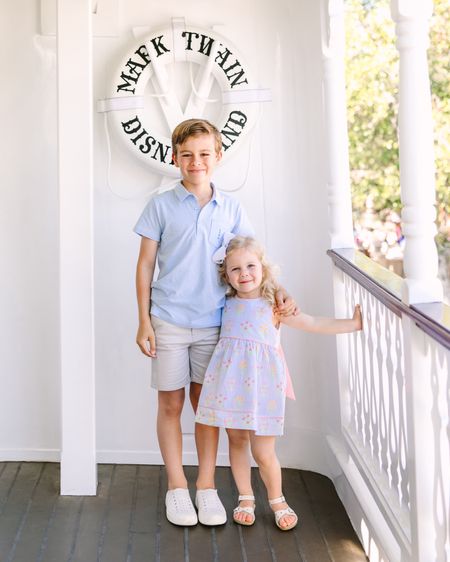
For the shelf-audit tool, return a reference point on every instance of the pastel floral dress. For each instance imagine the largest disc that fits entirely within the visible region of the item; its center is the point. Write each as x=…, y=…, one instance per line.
x=245, y=383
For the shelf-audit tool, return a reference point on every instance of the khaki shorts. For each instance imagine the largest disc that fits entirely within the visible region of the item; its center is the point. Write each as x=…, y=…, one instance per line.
x=182, y=354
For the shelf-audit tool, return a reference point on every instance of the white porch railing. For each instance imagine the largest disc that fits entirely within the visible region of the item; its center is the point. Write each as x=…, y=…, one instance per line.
x=395, y=409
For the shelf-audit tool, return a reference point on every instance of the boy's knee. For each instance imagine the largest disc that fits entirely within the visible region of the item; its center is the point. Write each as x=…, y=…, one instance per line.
x=194, y=394
x=171, y=405
x=195, y=390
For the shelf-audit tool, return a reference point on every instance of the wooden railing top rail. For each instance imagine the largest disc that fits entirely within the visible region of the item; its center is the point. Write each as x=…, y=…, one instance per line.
x=432, y=318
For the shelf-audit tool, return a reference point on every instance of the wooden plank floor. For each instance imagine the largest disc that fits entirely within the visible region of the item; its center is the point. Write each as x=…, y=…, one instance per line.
x=126, y=521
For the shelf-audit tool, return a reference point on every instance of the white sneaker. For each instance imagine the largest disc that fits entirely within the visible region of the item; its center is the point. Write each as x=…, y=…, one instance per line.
x=210, y=508
x=179, y=507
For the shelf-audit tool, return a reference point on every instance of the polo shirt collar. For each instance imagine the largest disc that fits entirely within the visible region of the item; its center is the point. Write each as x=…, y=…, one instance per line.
x=181, y=192
x=216, y=196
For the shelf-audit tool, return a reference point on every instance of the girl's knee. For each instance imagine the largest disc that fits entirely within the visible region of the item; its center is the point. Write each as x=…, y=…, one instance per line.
x=238, y=438
x=265, y=459
x=263, y=451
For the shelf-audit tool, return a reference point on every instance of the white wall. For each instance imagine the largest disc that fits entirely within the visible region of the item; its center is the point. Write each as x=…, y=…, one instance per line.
x=285, y=196
x=29, y=396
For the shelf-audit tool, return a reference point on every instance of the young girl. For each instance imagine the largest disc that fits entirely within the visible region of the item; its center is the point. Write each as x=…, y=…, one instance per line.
x=246, y=381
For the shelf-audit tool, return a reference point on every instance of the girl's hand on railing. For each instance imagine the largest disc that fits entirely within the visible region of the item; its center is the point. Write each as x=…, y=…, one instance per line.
x=357, y=318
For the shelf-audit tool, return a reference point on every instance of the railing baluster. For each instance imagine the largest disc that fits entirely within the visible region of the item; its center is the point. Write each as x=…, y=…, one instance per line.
x=397, y=435
x=440, y=414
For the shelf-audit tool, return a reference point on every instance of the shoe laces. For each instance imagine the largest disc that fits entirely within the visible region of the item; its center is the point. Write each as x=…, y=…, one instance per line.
x=182, y=502
x=209, y=499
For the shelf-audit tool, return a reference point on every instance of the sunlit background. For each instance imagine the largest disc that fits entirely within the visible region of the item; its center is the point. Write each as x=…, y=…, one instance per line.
x=372, y=104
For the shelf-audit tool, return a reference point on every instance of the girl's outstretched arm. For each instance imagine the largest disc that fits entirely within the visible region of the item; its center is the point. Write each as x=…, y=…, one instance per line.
x=323, y=325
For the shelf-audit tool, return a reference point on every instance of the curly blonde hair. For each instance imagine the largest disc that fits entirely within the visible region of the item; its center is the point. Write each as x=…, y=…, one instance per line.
x=269, y=286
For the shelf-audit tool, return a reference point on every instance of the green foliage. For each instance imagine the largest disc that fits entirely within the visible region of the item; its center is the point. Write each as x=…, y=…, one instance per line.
x=438, y=60
x=372, y=91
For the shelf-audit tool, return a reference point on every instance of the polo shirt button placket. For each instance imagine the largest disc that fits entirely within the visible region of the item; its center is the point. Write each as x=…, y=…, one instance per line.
x=197, y=219
x=201, y=214
x=196, y=210
x=205, y=215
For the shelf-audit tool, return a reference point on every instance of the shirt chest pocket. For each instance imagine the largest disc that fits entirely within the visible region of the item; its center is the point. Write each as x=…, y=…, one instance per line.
x=216, y=232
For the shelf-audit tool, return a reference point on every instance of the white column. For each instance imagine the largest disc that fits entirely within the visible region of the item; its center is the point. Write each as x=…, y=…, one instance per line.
x=416, y=152
x=75, y=102
x=334, y=100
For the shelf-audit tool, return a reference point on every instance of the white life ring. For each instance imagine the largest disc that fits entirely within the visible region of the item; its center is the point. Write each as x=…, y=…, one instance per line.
x=150, y=86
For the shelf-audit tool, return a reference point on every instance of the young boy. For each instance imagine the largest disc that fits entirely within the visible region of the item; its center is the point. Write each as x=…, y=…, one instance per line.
x=180, y=312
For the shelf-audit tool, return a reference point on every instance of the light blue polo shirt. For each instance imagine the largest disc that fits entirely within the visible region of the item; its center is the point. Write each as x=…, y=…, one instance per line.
x=188, y=292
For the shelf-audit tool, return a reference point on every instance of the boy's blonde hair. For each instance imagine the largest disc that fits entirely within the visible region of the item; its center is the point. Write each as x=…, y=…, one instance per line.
x=269, y=286
x=194, y=128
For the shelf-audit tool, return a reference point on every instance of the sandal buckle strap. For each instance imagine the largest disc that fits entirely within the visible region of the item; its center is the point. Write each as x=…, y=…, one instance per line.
x=239, y=509
x=282, y=512
x=244, y=497
x=281, y=499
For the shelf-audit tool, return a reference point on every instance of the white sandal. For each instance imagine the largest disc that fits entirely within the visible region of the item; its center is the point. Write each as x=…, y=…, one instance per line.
x=282, y=512
x=250, y=510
